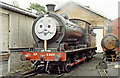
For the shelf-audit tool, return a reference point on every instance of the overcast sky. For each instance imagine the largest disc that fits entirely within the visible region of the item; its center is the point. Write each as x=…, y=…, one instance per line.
x=108, y=8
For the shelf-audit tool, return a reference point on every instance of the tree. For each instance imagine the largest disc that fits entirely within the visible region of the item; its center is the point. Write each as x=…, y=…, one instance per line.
x=37, y=7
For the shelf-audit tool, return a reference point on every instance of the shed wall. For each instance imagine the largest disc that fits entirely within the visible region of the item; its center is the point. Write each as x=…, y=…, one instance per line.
x=4, y=31
x=22, y=30
x=16, y=30
x=75, y=11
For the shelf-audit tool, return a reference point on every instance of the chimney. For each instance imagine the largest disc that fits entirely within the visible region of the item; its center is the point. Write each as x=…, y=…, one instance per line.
x=50, y=7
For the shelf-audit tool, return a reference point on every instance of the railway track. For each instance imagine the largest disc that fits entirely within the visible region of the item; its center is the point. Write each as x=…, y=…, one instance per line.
x=102, y=66
x=34, y=72
x=29, y=73
x=103, y=73
x=51, y=75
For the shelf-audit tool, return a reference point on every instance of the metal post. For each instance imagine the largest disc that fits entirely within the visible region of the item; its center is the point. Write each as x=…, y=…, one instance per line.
x=9, y=62
x=45, y=45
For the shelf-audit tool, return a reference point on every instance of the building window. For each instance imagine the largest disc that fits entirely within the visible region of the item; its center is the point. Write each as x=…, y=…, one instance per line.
x=110, y=29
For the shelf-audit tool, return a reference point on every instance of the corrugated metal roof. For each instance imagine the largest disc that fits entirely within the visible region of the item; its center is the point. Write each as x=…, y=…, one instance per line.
x=16, y=9
x=82, y=7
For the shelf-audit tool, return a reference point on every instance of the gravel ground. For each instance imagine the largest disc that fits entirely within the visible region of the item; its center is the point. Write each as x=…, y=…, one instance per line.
x=111, y=70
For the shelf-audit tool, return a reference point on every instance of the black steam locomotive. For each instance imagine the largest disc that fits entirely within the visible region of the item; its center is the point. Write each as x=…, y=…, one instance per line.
x=60, y=43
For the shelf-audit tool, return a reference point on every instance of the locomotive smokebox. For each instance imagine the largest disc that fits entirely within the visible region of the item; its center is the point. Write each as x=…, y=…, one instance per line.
x=50, y=7
x=110, y=42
